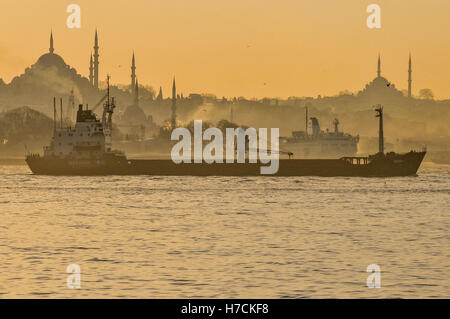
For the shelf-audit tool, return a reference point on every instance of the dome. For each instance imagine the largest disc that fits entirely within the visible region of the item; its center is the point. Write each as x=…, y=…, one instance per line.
x=380, y=81
x=51, y=59
x=380, y=86
x=134, y=114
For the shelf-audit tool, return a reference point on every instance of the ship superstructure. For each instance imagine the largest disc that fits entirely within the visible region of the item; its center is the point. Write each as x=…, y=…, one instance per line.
x=89, y=143
x=316, y=143
x=88, y=135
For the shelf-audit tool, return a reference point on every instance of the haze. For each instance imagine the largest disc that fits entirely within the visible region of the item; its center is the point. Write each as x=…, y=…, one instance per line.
x=274, y=48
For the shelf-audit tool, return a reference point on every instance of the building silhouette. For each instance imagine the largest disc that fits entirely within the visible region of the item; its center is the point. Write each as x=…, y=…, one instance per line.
x=49, y=76
x=382, y=88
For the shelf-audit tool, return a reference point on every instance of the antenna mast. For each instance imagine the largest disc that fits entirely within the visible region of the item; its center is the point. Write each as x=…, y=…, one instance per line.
x=110, y=105
x=379, y=111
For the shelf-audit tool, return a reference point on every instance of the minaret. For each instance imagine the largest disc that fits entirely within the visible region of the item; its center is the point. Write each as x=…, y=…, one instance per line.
x=51, y=50
x=133, y=74
x=160, y=95
x=96, y=61
x=91, y=71
x=409, y=76
x=136, y=93
x=379, y=66
x=174, y=105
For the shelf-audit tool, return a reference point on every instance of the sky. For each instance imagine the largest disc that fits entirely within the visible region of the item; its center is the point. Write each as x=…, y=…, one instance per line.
x=250, y=48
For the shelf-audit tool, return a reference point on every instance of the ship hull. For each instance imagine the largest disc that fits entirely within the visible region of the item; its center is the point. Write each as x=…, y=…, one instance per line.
x=384, y=166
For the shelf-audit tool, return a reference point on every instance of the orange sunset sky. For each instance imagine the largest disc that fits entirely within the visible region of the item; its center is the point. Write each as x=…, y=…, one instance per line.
x=251, y=48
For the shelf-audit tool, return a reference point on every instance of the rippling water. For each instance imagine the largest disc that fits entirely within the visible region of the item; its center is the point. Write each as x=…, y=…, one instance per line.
x=263, y=237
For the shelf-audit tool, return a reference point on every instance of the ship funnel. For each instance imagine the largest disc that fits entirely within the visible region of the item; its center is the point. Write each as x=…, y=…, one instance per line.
x=336, y=126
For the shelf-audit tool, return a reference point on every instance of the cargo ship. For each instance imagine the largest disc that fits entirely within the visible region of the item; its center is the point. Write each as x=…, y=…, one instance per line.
x=87, y=150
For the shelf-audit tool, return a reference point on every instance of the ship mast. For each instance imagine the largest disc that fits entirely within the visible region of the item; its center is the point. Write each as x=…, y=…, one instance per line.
x=379, y=110
x=106, y=106
x=108, y=110
x=110, y=113
x=111, y=106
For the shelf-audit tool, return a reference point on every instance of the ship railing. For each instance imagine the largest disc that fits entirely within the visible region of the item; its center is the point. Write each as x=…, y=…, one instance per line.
x=356, y=160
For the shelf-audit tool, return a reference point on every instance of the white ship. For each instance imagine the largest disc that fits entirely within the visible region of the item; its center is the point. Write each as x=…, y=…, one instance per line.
x=316, y=143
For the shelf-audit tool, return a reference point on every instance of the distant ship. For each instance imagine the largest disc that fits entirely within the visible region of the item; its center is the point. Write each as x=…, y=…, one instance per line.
x=86, y=149
x=319, y=143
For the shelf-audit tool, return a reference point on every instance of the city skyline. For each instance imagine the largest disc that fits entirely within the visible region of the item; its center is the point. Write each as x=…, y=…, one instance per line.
x=249, y=77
